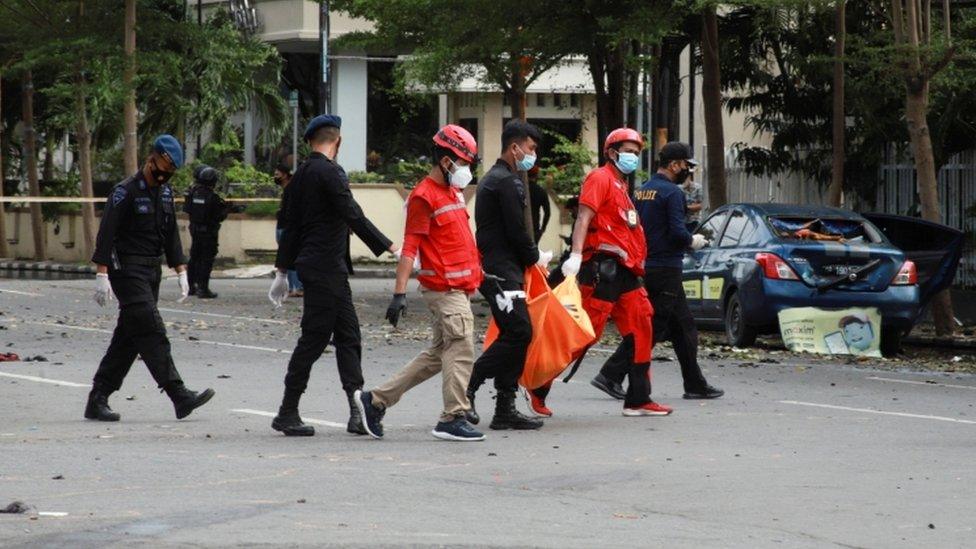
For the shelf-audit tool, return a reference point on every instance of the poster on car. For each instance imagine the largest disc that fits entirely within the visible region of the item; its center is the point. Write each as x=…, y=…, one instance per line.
x=853, y=331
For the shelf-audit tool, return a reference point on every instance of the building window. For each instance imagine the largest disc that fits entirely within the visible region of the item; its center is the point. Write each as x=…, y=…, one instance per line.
x=557, y=100
x=573, y=100
x=540, y=100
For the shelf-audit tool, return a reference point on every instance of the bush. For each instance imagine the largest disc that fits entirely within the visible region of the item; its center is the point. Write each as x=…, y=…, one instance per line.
x=366, y=177
x=261, y=209
x=568, y=165
x=246, y=181
x=69, y=187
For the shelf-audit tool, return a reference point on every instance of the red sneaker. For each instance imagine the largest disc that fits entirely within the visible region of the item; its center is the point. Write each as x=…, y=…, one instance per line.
x=536, y=404
x=650, y=409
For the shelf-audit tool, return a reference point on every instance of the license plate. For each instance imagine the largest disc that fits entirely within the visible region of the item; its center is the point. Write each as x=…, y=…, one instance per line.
x=840, y=270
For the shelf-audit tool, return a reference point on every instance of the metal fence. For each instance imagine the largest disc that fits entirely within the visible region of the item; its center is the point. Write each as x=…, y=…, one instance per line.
x=896, y=194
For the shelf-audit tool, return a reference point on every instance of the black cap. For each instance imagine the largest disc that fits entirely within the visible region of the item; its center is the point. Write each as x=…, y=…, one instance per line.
x=677, y=150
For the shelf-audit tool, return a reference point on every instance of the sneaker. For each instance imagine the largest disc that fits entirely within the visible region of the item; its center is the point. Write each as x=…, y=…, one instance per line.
x=372, y=416
x=536, y=404
x=457, y=429
x=650, y=409
x=608, y=386
x=708, y=392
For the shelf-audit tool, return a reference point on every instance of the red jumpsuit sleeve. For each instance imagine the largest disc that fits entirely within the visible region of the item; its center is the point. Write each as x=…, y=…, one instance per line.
x=594, y=191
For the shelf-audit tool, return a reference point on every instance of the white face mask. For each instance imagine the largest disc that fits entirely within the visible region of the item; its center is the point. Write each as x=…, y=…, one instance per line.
x=461, y=176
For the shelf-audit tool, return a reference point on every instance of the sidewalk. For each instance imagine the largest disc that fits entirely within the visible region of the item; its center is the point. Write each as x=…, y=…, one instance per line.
x=244, y=272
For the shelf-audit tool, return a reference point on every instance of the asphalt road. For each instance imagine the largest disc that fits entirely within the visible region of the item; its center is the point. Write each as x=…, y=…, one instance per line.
x=801, y=453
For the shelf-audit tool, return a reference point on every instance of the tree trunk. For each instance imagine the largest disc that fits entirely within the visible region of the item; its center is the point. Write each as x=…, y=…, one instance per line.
x=712, y=103
x=607, y=70
x=30, y=151
x=835, y=192
x=129, y=138
x=4, y=251
x=916, y=112
x=47, y=173
x=85, y=167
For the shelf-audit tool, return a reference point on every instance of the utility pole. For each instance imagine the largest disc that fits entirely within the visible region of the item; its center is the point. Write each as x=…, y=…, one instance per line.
x=324, y=84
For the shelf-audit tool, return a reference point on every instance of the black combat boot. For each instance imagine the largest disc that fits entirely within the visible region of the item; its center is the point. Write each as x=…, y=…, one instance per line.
x=193, y=289
x=355, y=425
x=205, y=293
x=185, y=400
x=97, y=407
x=291, y=424
x=471, y=414
x=508, y=417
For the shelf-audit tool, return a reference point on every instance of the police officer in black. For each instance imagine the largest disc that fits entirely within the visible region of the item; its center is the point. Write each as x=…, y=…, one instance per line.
x=507, y=249
x=206, y=210
x=138, y=226
x=320, y=212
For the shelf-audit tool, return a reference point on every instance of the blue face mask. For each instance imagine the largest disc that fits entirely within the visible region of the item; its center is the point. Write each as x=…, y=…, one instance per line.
x=627, y=162
x=528, y=160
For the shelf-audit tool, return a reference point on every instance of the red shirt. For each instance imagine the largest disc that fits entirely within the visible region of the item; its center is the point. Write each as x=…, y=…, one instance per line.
x=615, y=229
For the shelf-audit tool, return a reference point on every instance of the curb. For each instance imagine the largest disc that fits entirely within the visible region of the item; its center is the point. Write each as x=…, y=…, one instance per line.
x=46, y=266
x=943, y=342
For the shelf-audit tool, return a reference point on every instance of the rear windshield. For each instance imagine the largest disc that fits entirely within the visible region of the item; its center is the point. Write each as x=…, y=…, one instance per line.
x=824, y=229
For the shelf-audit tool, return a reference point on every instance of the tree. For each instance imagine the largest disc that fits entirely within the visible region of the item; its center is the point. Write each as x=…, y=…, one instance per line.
x=30, y=166
x=712, y=104
x=130, y=143
x=4, y=251
x=836, y=189
x=920, y=60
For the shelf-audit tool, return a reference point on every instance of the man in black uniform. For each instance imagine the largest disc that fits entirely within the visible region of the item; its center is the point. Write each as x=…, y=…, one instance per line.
x=541, y=210
x=206, y=210
x=507, y=249
x=315, y=241
x=138, y=225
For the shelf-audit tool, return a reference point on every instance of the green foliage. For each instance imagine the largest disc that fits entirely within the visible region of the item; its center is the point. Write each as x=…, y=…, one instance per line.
x=366, y=177
x=246, y=181
x=68, y=187
x=568, y=165
x=407, y=173
x=261, y=209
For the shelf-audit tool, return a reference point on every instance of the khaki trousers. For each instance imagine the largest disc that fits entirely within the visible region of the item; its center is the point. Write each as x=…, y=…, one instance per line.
x=451, y=352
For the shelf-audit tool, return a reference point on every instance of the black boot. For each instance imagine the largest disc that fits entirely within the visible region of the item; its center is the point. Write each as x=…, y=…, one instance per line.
x=185, y=400
x=97, y=407
x=508, y=417
x=205, y=293
x=193, y=289
x=355, y=425
x=471, y=414
x=291, y=424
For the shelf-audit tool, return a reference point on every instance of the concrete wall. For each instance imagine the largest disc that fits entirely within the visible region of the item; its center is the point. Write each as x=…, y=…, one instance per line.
x=383, y=205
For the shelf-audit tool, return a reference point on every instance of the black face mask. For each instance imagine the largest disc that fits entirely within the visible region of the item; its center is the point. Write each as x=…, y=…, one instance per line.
x=279, y=181
x=158, y=175
x=682, y=176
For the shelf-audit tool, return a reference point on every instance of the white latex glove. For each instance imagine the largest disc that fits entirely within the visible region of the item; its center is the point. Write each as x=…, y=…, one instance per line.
x=698, y=241
x=571, y=266
x=103, y=289
x=279, y=289
x=544, y=259
x=184, y=286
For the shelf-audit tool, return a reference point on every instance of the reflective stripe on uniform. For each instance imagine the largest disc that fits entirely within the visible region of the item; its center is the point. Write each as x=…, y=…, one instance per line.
x=603, y=246
x=448, y=208
x=457, y=274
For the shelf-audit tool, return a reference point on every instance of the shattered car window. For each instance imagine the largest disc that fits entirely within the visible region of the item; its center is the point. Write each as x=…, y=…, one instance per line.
x=824, y=229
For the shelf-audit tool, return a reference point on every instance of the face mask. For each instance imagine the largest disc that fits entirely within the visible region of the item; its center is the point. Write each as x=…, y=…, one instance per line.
x=681, y=176
x=528, y=160
x=159, y=175
x=279, y=181
x=627, y=162
x=461, y=176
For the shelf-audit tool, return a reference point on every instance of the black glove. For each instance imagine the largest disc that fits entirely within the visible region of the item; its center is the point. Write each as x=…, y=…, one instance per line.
x=396, y=308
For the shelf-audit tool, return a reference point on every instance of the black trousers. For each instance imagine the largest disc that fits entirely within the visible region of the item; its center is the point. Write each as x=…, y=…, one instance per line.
x=504, y=359
x=672, y=322
x=139, y=332
x=329, y=317
x=203, y=251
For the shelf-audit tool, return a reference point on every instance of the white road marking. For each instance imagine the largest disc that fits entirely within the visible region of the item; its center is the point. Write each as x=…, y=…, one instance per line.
x=45, y=380
x=305, y=419
x=30, y=294
x=930, y=384
x=880, y=412
x=101, y=331
x=218, y=315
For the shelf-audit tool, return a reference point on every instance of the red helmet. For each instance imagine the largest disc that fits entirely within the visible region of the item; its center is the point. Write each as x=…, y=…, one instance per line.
x=459, y=141
x=620, y=135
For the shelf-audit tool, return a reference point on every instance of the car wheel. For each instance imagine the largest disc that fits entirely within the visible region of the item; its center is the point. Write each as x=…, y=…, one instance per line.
x=738, y=333
x=890, y=341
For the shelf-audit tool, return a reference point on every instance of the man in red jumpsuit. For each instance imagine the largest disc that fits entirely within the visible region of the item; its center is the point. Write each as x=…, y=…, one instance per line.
x=608, y=254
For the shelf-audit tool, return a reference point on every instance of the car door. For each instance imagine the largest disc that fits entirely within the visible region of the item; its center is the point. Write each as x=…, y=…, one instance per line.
x=697, y=263
x=718, y=271
x=935, y=249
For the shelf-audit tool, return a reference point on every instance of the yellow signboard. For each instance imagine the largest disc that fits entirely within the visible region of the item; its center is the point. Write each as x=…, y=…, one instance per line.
x=845, y=332
x=693, y=289
x=713, y=288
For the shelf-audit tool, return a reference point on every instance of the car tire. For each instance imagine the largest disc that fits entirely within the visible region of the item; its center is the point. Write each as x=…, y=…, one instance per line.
x=737, y=332
x=890, y=341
